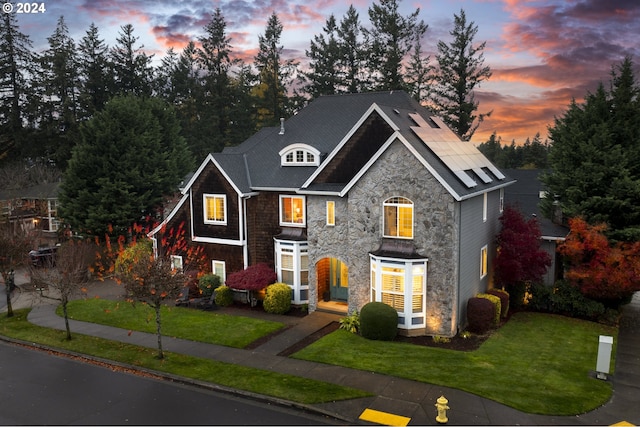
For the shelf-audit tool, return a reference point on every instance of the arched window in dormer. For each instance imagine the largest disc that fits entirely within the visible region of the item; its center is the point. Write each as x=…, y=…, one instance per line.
x=299, y=155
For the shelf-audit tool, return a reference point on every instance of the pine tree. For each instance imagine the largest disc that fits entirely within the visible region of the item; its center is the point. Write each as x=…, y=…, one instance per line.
x=132, y=67
x=324, y=56
x=419, y=72
x=130, y=156
x=17, y=65
x=273, y=74
x=351, y=52
x=593, y=158
x=95, y=73
x=389, y=40
x=460, y=71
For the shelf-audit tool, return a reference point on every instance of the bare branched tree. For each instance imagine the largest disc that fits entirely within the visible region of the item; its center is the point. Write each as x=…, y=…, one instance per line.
x=69, y=275
x=15, y=244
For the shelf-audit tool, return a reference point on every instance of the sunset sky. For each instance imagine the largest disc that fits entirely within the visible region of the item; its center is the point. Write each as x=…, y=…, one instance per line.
x=542, y=53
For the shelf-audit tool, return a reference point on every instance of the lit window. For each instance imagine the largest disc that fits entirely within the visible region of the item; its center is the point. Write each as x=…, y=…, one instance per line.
x=176, y=262
x=215, y=209
x=219, y=269
x=483, y=262
x=292, y=210
x=501, y=200
x=398, y=218
x=331, y=213
x=299, y=155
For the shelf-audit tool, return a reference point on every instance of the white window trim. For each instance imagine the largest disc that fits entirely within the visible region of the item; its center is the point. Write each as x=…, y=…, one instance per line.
x=331, y=213
x=296, y=250
x=206, y=196
x=304, y=211
x=397, y=205
x=306, y=149
x=484, y=261
x=484, y=206
x=223, y=278
x=501, y=200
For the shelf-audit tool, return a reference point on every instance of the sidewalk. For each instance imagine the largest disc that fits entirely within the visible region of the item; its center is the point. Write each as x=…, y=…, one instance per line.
x=397, y=396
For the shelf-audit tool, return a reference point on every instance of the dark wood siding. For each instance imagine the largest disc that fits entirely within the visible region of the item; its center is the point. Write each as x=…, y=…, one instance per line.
x=262, y=226
x=356, y=152
x=211, y=181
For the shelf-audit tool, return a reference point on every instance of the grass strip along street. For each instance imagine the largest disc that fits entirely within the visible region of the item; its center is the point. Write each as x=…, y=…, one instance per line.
x=288, y=387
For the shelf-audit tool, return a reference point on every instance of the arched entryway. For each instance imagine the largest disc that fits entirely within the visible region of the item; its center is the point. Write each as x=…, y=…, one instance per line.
x=333, y=281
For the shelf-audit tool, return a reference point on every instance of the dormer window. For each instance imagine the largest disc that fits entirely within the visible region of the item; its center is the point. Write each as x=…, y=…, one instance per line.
x=299, y=155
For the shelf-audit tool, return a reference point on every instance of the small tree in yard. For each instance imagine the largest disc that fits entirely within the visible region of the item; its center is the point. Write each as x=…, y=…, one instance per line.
x=148, y=279
x=254, y=278
x=14, y=253
x=603, y=272
x=70, y=273
x=520, y=258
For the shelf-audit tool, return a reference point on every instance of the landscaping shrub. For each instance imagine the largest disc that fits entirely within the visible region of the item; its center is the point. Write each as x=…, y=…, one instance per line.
x=504, y=300
x=517, y=294
x=480, y=315
x=224, y=296
x=253, y=278
x=563, y=298
x=378, y=321
x=351, y=323
x=208, y=283
x=277, y=298
x=496, y=304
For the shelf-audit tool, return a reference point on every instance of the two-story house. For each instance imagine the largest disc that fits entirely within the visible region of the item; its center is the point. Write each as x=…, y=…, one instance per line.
x=357, y=198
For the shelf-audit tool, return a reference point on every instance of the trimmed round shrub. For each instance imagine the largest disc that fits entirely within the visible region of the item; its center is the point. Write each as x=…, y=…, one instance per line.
x=480, y=315
x=277, y=298
x=208, y=283
x=378, y=321
x=224, y=296
x=496, y=304
x=504, y=300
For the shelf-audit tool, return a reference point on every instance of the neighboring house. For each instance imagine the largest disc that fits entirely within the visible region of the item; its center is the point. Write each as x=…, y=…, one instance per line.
x=33, y=208
x=526, y=194
x=357, y=198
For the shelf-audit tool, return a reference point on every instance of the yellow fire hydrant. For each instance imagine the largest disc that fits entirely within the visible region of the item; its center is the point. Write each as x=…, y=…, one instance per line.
x=442, y=407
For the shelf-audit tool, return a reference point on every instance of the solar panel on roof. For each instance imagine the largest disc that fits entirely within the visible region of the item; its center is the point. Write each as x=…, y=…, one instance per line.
x=459, y=156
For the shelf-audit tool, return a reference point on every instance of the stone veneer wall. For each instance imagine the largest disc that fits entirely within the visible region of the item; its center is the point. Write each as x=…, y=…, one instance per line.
x=358, y=231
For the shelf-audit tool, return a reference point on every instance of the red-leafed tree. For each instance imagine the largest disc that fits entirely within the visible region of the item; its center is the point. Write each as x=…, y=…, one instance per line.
x=603, y=272
x=520, y=258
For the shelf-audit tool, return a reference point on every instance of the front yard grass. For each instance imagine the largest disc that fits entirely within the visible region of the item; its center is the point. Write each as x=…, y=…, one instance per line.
x=289, y=387
x=536, y=363
x=181, y=322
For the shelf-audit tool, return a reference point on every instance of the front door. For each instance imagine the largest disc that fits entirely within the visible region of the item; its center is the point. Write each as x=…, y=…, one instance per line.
x=338, y=280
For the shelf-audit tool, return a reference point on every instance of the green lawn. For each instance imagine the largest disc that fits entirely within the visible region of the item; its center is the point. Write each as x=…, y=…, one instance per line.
x=182, y=322
x=264, y=382
x=536, y=363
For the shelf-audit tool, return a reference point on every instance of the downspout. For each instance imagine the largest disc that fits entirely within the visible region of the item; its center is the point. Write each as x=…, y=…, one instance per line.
x=244, y=233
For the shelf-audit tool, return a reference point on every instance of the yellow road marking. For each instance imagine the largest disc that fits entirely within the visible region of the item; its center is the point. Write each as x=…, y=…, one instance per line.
x=623, y=424
x=384, y=418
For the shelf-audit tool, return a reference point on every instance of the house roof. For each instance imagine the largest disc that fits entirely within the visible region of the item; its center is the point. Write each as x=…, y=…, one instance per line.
x=525, y=194
x=36, y=192
x=328, y=122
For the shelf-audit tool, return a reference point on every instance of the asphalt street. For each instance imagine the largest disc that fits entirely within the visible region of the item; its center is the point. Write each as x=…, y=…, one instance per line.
x=37, y=388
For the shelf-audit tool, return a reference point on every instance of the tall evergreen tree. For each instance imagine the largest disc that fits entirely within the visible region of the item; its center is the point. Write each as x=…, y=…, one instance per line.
x=242, y=108
x=389, y=40
x=130, y=156
x=17, y=65
x=418, y=74
x=594, y=157
x=131, y=65
x=460, y=71
x=215, y=62
x=352, y=62
x=324, y=56
x=273, y=74
x=59, y=81
x=96, y=76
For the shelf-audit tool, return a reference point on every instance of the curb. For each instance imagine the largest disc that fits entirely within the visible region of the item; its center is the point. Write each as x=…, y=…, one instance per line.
x=163, y=376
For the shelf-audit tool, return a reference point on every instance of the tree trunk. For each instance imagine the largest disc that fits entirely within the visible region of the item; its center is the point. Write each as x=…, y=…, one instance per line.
x=66, y=320
x=159, y=331
x=9, y=307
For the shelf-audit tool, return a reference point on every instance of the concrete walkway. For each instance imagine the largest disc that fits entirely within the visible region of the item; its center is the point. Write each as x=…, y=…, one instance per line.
x=406, y=398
